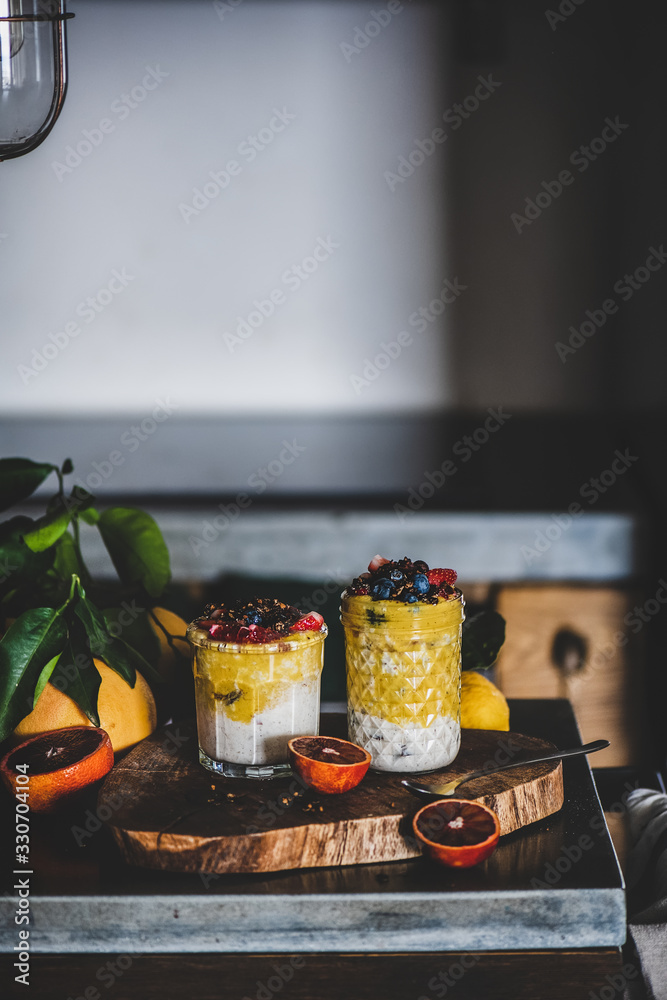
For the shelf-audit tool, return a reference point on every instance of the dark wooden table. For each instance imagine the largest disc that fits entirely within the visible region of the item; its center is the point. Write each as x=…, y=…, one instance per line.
x=101, y=928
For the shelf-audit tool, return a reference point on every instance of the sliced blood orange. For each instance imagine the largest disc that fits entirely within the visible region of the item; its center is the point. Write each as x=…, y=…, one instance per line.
x=57, y=764
x=327, y=764
x=456, y=832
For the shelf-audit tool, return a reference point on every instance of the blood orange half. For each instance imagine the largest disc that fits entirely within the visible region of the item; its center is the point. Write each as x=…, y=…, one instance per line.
x=329, y=765
x=456, y=832
x=57, y=765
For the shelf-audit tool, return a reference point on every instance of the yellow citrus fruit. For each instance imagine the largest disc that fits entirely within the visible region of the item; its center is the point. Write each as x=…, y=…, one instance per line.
x=483, y=706
x=170, y=661
x=127, y=714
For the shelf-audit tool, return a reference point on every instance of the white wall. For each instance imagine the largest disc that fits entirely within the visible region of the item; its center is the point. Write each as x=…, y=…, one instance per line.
x=67, y=229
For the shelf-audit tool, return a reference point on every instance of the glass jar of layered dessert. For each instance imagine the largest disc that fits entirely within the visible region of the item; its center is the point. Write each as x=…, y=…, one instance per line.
x=257, y=667
x=403, y=624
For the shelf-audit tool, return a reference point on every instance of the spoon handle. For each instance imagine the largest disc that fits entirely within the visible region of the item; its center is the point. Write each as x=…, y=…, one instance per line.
x=526, y=757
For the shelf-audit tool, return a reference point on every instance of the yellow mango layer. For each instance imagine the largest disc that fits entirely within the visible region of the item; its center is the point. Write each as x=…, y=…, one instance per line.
x=403, y=660
x=242, y=681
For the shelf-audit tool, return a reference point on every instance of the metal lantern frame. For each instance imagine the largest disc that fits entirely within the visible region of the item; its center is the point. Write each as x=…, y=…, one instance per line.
x=56, y=14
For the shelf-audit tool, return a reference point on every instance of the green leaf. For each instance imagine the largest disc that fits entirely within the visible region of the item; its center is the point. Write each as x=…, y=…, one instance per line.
x=66, y=562
x=60, y=511
x=483, y=636
x=35, y=638
x=102, y=644
x=15, y=556
x=141, y=642
x=142, y=664
x=90, y=516
x=75, y=673
x=47, y=530
x=18, y=563
x=44, y=679
x=67, y=467
x=134, y=627
x=19, y=478
x=79, y=501
x=137, y=548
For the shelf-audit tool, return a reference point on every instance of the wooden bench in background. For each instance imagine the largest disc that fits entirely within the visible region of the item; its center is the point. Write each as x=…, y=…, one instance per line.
x=582, y=643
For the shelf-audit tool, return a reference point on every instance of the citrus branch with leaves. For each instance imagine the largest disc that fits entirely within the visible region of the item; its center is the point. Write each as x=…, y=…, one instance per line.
x=60, y=621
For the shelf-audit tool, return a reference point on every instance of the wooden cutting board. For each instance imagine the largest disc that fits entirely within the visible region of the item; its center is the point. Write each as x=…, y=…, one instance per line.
x=166, y=811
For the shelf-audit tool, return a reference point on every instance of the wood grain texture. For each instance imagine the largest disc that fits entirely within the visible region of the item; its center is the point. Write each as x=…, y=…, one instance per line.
x=491, y=975
x=608, y=693
x=167, y=812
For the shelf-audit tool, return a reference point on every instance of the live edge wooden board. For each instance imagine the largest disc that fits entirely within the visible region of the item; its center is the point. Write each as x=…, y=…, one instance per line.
x=167, y=812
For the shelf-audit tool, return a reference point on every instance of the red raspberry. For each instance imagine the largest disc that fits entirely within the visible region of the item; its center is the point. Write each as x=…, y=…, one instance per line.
x=257, y=633
x=376, y=562
x=233, y=632
x=223, y=633
x=309, y=623
x=438, y=576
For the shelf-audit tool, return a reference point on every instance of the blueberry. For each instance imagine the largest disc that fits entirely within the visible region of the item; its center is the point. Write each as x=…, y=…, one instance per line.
x=421, y=566
x=409, y=597
x=421, y=584
x=382, y=589
x=253, y=618
x=397, y=576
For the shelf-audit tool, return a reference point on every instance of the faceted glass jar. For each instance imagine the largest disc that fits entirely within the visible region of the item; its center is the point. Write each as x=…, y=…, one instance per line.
x=251, y=698
x=404, y=680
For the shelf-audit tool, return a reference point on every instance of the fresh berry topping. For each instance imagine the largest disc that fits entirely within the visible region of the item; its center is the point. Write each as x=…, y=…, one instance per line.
x=206, y=623
x=403, y=580
x=219, y=632
x=309, y=623
x=262, y=619
x=257, y=633
x=243, y=633
x=382, y=589
x=438, y=576
x=376, y=562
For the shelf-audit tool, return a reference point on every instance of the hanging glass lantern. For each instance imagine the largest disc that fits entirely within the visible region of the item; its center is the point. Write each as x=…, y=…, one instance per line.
x=33, y=72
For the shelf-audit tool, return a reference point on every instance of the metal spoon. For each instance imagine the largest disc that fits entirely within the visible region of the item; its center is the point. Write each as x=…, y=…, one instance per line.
x=440, y=791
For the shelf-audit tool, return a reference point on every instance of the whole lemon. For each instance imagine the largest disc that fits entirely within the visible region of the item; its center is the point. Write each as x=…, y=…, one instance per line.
x=483, y=706
x=127, y=714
